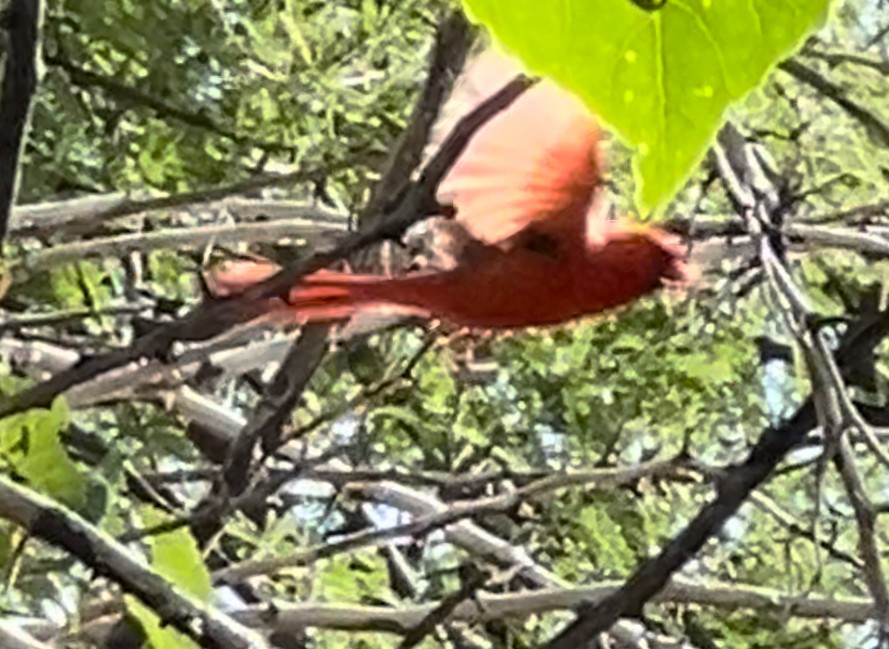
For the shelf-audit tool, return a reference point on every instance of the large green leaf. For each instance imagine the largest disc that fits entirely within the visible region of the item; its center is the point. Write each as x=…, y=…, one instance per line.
x=174, y=555
x=662, y=78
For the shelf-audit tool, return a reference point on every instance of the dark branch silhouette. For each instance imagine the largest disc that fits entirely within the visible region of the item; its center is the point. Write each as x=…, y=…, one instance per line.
x=20, y=29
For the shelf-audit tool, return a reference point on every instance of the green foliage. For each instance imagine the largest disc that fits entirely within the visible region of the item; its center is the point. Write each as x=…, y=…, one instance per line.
x=317, y=84
x=359, y=578
x=175, y=556
x=663, y=78
x=183, y=96
x=30, y=447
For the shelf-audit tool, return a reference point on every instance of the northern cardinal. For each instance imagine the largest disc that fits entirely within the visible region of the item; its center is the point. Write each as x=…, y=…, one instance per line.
x=537, y=248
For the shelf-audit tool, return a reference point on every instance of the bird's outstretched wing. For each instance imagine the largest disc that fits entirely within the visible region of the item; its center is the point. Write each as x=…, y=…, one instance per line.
x=535, y=162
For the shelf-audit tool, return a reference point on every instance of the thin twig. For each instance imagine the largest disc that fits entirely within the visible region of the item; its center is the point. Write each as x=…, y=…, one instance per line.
x=865, y=518
x=492, y=607
x=135, y=97
x=833, y=403
x=194, y=237
x=274, y=409
x=736, y=483
x=450, y=514
x=838, y=58
x=875, y=127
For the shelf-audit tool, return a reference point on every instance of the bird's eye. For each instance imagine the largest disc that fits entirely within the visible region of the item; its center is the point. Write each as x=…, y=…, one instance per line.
x=543, y=244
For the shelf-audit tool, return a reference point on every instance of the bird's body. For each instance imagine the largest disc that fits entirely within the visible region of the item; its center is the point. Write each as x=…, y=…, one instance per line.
x=526, y=193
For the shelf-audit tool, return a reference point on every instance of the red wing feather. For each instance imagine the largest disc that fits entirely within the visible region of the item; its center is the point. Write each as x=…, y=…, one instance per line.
x=534, y=162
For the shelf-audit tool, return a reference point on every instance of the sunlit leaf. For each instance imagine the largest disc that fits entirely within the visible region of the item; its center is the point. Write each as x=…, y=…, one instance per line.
x=662, y=78
x=30, y=443
x=174, y=555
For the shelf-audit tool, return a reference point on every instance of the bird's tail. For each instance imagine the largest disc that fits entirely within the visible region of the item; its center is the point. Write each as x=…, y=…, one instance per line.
x=323, y=296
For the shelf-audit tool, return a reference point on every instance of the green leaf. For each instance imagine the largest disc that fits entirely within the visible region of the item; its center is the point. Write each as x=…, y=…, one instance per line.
x=662, y=79
x=604, y=539
x=175, y=556
x=158, y=637
x=353, y=578
x=30, y=443
x=708, y=368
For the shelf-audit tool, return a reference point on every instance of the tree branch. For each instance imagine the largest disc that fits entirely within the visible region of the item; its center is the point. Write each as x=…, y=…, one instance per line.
x=488, y=607
x=485, y=607
x=274, y=409
x=12, y=637
x=834, y=59
x=177, y=238
x=875, y=127
x=64, y=529
x=20, y=29
x=433, y=514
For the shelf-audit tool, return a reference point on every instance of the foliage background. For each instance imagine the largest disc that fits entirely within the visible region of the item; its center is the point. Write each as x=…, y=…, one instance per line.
x=173, y=98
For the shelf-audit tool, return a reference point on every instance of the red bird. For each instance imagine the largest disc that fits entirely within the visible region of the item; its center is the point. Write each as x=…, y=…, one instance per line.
x=537, y=246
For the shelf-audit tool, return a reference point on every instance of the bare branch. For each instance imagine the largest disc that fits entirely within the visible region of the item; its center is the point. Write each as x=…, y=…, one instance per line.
x=305, y=230
x=64, y=529
x=489, y=607
x=737, y=482
x=853, y=216
x=444, y=609
x=436, y=514
x=770, y=507
x=875, y=127
x=87, y=214
x=838, y=58
x=865, y=518
x=452, y=42
x=831, y=397
x=12, y=637
x=274, y=410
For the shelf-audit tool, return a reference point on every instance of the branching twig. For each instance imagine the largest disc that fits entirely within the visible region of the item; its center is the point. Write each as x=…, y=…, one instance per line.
x=865, y=518
x=875, y=127
x=444, y=609
x=769, y=506
x=368, y=393
x=290, y=619
x=833, y=403
x=266, y=425
x=492, y=607
x=64, y=529
x=440, y=516
x=837, y=58
x=452, y=42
